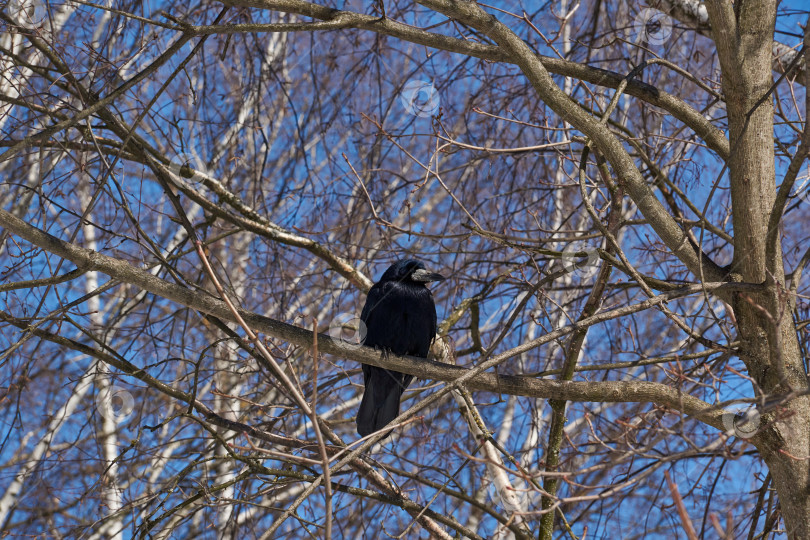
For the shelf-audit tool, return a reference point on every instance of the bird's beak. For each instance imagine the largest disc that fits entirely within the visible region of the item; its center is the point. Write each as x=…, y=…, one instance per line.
x=423, y=276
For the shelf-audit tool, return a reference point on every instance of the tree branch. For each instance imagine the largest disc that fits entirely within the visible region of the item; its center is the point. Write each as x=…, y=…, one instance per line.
x=660, y=220
x=714, y=138
x=475, y=379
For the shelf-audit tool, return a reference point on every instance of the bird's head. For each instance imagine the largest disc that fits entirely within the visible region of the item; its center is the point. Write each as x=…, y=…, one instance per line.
x=410, y=270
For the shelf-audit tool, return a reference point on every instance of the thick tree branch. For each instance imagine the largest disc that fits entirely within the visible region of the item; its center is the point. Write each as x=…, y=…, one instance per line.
x=714, y=138
x=693, y=14
x=475, y=379
x=660, y=220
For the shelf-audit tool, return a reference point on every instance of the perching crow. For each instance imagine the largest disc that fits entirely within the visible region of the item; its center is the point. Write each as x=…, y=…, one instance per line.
x=400, y=317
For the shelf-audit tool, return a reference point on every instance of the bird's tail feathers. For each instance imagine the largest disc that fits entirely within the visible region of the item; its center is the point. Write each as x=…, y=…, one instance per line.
x=380, y=404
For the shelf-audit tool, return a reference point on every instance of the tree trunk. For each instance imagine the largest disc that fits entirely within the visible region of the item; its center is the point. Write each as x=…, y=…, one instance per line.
x=743, y=33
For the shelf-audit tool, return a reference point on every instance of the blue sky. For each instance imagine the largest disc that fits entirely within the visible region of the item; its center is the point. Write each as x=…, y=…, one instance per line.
x=459, y=83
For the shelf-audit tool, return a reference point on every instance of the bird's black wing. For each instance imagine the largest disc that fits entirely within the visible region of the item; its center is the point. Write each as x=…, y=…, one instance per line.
x=382, y=314
x=375, y=295
x=434, y=324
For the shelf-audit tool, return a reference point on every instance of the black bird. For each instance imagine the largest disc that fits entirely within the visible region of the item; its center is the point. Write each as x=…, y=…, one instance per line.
x=400, y=317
